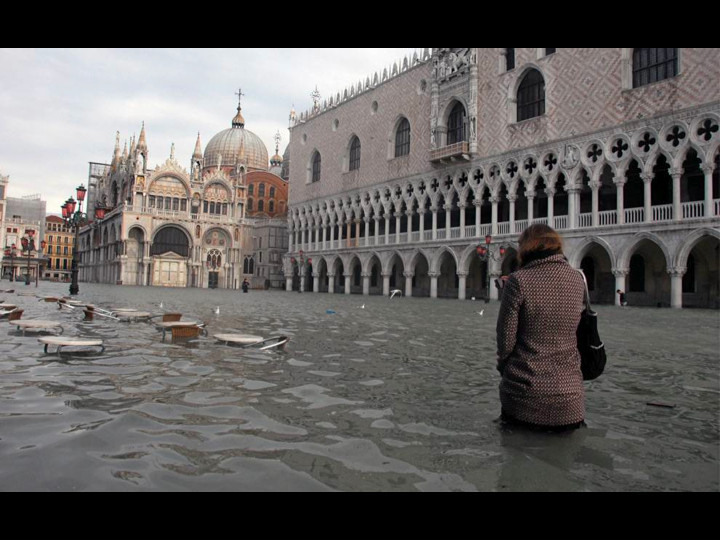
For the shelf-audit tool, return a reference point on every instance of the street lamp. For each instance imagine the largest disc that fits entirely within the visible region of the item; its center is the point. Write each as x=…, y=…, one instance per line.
x=10, y=252
x=28, y=245
x=486, y=253
x=75, y=220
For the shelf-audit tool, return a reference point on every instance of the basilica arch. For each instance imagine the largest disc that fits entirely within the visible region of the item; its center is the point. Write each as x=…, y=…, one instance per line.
x=170, y=252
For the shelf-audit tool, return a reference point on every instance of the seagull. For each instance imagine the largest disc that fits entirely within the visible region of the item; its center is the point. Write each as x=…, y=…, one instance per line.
x=217, y=310
x=481, y=312
x=161, y=305
x=472, y=298
x=395, y=291
x=362, y=307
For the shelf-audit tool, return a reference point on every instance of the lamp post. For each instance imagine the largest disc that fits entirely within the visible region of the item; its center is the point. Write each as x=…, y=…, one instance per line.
x=10, y=252
x=75, y=220
x=28, y=245
x=486, y=253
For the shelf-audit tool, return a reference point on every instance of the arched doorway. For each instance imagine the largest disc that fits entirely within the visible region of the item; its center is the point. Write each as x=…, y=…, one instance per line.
x=596, y=265
x=648, y=283
x=170, y=251
x=376, y=280
x=215, y=250
x=701, y=282
x=421, y=279
x=135, y=246
x=447, y=281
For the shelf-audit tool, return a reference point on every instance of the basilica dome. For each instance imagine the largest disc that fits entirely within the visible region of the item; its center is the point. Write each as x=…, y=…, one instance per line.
x=237, y=143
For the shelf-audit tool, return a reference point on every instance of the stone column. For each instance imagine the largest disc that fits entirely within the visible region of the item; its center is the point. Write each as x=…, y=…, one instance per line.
x=550, y=192
x=572, y=207
x=386, y=284
x=347, y=283
x=461, y=207
x=494, y=221
x=288, y=284
x=366, y=284
x=409, y=215
x=434, y=209
x=332, y=234
x=676, y=278
x=531, y=209
x=348, y=227
x=433, y=283
x=620, y=183
x=357, y=233
x=512, y=198
x=677, y=208
x=316, y=282
x=291, y=233
x=387, y=229
x=448, y=212
x=709, y=210
x=462, y=276
x=478, y=204
x=331, y=283
x=377, y=230
x=323, y=235
x=302, y=278
x=398, y=217
x=408, y=283
x=620, y=276
x=647, y=194
x=495, y=273
x=367, y=230
x=595, y=187
x=421, y=213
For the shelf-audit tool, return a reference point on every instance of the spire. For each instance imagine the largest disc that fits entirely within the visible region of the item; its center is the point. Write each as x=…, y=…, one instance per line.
x=197, y=154
x=172, y=152
x=277, y=159
x=125, y=151
x=142, y=143
x=239, y=121
x=132, y=145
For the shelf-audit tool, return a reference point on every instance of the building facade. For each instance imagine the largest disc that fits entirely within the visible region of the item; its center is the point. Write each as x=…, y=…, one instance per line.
x=172, y=227
x=59, y=251
x=397, y=181
x=23, y=217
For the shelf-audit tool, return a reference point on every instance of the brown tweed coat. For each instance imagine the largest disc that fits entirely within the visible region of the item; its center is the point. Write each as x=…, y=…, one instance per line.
x=537, y=343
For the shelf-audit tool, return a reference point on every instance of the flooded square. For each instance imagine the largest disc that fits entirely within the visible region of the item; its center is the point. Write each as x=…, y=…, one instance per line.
x=398, y=395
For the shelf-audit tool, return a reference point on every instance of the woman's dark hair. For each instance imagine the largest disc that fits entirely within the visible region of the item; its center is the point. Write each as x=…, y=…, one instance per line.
x=538, y=241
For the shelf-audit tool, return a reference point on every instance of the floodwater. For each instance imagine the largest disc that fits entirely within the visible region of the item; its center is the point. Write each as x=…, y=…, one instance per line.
x=401, y=395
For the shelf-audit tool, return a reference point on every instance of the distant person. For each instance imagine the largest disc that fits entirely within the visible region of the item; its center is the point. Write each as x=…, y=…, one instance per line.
x=538, y=358
x=623, y=300
x=245, y=285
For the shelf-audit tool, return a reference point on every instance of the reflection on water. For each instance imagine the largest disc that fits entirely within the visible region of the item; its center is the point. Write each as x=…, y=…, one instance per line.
x=401, y=395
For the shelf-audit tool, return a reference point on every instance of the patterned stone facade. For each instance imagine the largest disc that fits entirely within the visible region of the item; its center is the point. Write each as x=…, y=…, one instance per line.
x=636, y=169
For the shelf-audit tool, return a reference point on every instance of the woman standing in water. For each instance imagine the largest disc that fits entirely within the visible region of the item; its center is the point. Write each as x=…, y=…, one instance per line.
x=542, y=385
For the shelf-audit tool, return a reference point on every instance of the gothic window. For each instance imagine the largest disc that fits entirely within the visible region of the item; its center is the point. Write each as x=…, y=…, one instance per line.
x=456, y=125
x=531, y=96
x=249, y=205
x=271, y=206
x=272, y=192
x=509, y=59
x=653, y=65
x=248, y=265
x=261, y=190
x=261, y=205
x=176, y=204
x=251, y=189
x=151, y=201
x=316, y=165
x=402, y=138
x=355, y=154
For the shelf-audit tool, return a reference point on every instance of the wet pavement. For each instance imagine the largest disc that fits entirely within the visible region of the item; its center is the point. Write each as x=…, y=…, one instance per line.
x=398, y=395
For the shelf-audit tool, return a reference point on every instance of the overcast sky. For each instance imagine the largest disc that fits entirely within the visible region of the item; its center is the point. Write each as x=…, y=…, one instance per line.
x=60, y=108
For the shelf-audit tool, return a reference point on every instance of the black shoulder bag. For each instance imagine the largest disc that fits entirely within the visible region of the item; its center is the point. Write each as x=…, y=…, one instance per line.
x=591, y=347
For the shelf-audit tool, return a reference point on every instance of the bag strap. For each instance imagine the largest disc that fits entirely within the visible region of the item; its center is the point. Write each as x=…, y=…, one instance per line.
x=587, y=292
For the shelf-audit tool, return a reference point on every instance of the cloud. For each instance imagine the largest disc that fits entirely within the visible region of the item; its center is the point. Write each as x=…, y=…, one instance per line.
x=62, y=107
